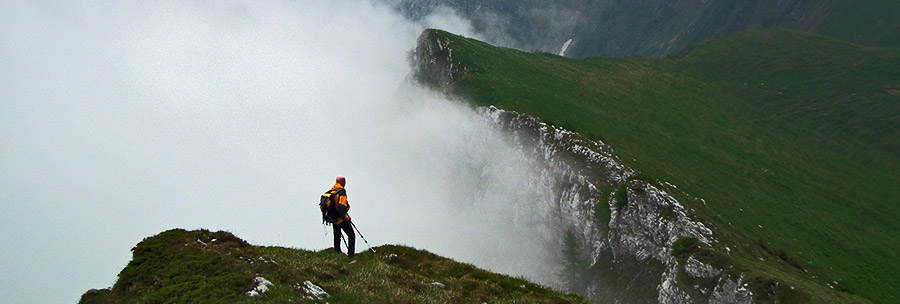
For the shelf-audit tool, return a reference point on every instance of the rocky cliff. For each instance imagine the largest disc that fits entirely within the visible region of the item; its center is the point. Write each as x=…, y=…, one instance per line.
x=627, y=223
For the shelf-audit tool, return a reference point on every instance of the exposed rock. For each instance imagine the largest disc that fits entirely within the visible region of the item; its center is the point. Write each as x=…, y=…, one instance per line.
x=700, y=270
x=262, y=286
x=436, y=64
x=669, y=293
x=314, y=290
x=650, y=222
x=641, y=229
x=731, y=292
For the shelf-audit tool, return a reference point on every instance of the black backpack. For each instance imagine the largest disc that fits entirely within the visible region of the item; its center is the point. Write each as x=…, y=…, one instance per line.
x=331, y=210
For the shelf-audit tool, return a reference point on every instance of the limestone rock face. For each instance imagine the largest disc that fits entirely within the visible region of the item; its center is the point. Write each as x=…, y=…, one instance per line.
x=700, y=270
x=730, y=291
x=436, y=65
x=636, y=240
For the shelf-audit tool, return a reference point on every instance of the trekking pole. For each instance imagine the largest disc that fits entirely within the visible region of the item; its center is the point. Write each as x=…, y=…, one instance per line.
x=342, y=239
x=360, y=235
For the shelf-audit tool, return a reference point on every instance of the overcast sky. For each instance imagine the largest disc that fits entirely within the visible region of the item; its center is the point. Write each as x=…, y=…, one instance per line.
x=122, y=120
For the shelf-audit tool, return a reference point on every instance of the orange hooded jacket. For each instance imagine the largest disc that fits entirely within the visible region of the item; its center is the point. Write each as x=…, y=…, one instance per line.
x=342, y=200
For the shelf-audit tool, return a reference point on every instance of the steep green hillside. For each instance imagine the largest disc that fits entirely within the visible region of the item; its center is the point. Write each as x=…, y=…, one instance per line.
x=790, y=141
x=179, y=266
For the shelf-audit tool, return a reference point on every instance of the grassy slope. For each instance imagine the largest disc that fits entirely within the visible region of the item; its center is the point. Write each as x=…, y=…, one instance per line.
x=658, y=28
x=871, y=22
x=792, y=139
x=175, y=267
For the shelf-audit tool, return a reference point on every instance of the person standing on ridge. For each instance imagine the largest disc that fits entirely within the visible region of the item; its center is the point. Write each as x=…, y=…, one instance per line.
x=343, y=223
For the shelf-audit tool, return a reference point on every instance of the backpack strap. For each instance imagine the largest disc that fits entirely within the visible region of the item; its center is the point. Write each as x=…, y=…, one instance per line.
x=336, y=196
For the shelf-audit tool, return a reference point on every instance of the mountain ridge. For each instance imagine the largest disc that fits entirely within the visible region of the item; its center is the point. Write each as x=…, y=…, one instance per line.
x=756, y=143
x=656, y=29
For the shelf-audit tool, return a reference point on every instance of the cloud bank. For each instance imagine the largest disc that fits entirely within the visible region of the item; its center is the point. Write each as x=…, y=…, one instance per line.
x=121, y=120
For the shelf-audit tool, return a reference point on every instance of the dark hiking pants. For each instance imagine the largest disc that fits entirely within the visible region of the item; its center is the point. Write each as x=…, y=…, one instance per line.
x=351, y=237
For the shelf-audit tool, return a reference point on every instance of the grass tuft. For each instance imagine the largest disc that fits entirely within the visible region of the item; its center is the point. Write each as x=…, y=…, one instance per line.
x=685, y=246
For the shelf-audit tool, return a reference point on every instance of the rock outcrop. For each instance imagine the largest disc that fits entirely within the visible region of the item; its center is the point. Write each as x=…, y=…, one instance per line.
x=437, y=67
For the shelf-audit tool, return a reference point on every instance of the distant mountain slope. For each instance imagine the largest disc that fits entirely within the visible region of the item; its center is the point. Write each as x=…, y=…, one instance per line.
x=656, y=28
x=790, y=141
x=179, y=266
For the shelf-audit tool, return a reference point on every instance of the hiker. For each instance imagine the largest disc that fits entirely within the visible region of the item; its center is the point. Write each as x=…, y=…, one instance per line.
x=343, y=223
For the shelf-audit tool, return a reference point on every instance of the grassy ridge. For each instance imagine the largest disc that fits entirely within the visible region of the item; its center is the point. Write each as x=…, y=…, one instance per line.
x=179, y=266
x=790, y=138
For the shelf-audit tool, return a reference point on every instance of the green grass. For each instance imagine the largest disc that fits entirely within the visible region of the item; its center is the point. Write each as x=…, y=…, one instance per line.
x=179, y=266
x=602, y=213
x=685, y=245
x=790, y=138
